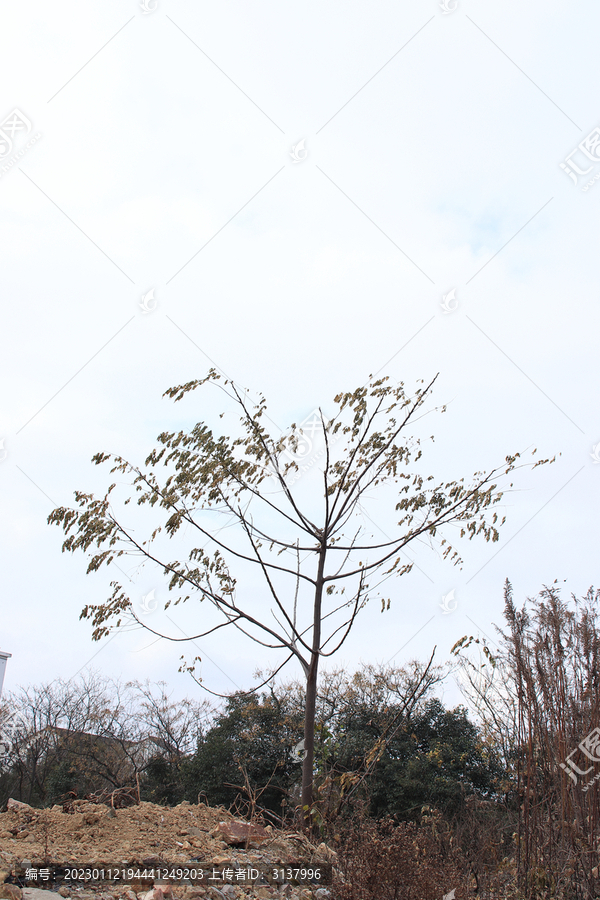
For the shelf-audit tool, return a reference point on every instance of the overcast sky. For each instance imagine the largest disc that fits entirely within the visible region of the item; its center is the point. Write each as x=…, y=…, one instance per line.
x=299, y=185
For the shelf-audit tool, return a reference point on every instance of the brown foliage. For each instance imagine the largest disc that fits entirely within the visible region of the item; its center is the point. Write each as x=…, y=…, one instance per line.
x=388, y=861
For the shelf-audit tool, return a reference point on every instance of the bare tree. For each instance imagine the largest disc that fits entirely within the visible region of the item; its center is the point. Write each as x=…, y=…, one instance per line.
x=320, y=566
x=97, y=730
x=173, y=728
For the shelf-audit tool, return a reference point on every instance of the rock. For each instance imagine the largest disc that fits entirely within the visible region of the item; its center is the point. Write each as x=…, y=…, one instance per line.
x=64, y=891
x=164, y=892
x=10, y=892
x=3, y=876
x=238, y=832
x=130, y=895
x=167, y=890
x=322, y=894
x=16, y=804
x=35, y=894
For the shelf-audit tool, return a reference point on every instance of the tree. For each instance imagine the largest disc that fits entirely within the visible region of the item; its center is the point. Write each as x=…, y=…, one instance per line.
x=172, y=730
x=319, y=565
x=437, y=760
x=248, y=750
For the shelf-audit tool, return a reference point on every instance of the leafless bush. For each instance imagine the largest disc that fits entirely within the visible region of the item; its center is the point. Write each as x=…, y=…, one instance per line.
x=388, y=861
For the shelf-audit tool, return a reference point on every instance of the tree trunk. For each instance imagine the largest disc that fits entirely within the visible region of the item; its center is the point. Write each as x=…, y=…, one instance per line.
x=309, y=736
x=311, y=693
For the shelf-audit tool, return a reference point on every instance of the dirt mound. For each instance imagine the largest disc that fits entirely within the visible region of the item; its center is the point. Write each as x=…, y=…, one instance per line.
x=146, y=837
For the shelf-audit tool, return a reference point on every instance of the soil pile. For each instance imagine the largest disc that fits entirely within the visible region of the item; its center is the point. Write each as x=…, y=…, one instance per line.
x=145, y=837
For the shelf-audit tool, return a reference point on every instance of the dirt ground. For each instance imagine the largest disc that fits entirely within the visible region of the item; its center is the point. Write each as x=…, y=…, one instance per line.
x=147, y=835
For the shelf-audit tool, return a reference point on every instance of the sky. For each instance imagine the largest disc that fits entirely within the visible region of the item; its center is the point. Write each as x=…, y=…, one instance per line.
x=300, y=195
